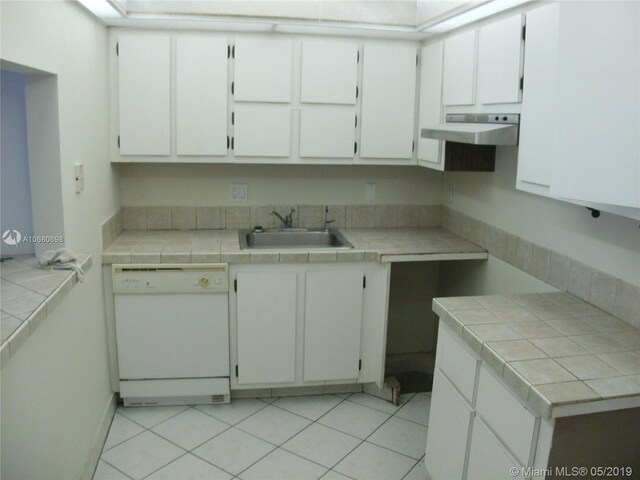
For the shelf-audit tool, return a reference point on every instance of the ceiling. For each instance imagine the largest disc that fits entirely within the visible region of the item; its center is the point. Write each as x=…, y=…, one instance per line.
x=411, y=19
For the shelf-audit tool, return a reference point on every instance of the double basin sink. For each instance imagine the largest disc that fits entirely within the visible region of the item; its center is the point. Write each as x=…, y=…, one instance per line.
x=292, y=238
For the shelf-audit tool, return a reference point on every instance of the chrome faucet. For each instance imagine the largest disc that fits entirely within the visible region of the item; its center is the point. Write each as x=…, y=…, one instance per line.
x=327, y=222
x=287, y=221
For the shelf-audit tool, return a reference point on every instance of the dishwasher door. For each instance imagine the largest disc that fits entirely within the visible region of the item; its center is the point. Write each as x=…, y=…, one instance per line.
x=172, y=336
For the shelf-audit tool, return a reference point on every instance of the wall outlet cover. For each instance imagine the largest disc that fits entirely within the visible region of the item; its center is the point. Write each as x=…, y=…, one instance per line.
x=238, y=192
x=370, y=192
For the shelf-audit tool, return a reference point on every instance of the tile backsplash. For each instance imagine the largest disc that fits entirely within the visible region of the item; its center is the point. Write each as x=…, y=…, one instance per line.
x=305, y=216
x=617, y=297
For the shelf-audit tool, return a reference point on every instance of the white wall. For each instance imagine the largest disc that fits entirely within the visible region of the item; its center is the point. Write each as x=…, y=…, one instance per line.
x=56, y=388
x=609, y=243
x=203, y=185
x=16, y=192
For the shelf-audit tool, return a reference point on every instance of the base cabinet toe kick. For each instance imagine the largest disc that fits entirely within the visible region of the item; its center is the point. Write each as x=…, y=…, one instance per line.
x=480, y=429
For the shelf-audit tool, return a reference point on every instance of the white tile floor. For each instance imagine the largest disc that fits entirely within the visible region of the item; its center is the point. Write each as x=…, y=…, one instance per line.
x=335, y=437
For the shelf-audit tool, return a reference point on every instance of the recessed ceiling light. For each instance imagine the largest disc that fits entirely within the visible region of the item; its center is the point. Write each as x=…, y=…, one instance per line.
x=101, y=8
x=471, y=15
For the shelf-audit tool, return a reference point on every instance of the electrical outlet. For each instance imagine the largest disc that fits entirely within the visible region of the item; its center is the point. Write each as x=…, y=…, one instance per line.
x=370, y=192
x=238, y=192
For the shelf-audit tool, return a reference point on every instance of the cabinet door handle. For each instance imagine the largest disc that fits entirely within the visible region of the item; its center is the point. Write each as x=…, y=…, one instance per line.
x=228, y=51
x=356, y=121
x=356, y=91
x=232, y=87
x=233, y=118
x=233, y=51
x=228, y=142
x=231, y=143
x=355, y=147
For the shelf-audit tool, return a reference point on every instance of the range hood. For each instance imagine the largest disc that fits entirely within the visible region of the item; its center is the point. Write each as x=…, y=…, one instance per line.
x=476, y=129
x=471, y=139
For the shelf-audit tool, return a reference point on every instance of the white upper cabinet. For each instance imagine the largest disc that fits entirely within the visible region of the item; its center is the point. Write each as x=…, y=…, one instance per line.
x=332, y=324
x=388, y=101
x=539, y=104
x=580, y=109
x=144, y=94
x=263, y=70
x=329, y=72
x=431, y=152
x=327, y=131
x=459, y=69
x=598, y=104
x=500, y=61
x=201, y=96
x=262, y=130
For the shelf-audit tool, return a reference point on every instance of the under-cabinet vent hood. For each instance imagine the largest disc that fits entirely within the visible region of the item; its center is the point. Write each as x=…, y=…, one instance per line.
x=476, y=129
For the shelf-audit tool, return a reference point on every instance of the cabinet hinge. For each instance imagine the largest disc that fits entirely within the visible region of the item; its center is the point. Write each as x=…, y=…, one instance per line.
x=524, y=32
x=233, y=51
x=359, y=364
x=118, y=141
x=228, y=51
x=233, y=118
x=355, y=147
x=118, y=49
x=235, y=289
x=236, y=371
x=232, y=87
x=364, y=282
x=356, y=91
x=521, y=83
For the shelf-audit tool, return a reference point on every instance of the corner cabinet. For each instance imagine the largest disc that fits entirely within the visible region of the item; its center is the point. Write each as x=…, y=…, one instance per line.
x=431, y=151
x=307, y=324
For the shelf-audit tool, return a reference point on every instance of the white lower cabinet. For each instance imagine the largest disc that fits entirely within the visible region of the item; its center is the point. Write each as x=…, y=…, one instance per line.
x=332, y=324
x=477, y=428
x=488, y=458
x=449, y=420
x=307, y=324
x=266, y=326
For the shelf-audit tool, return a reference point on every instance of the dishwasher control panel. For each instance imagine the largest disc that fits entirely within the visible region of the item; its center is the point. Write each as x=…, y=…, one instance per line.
x=170, y=278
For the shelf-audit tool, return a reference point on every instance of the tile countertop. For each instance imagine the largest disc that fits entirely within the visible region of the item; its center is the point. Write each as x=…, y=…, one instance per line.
x=370, y=244
x=552, y=349
x=28, y=295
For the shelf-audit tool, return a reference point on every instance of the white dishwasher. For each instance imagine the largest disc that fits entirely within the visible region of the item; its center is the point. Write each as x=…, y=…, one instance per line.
x=172, y=333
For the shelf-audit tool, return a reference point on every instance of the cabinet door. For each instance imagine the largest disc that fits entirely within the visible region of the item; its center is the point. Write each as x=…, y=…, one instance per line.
x=329, y=72
x=327, y=131
x=262, y=70
x=332, y=325
x=488, y=458
x=539, y=105
x=430, y=151
x=449, y=422
x=201, y=96
x=388, y=101
x=144, y=94
x=599, y=103
x=262, y=131
x=266, y=327
x=499, y=61
x=459, y=69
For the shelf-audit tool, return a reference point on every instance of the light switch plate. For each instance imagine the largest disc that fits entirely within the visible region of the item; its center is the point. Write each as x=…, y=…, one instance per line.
x=370, y=192
x=78, y=170
x=238, y=192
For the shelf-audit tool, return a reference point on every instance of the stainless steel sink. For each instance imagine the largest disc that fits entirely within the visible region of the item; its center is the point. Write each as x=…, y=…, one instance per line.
x=292, y=238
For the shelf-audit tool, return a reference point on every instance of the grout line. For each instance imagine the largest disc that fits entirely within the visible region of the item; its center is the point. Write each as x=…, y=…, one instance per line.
x=160, y=468
x=112, y=466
